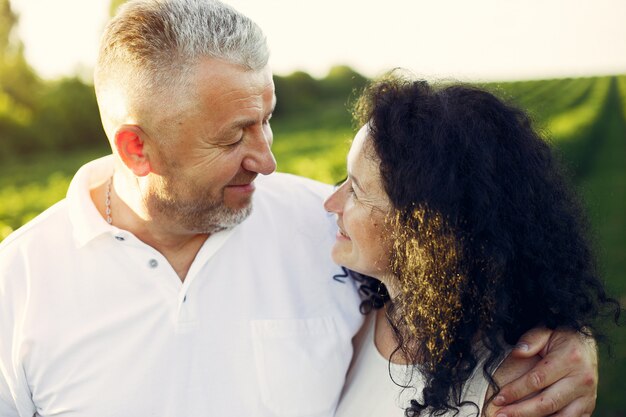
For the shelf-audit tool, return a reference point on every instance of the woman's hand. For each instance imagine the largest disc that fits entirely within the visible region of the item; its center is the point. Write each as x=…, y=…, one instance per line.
x=563, y=383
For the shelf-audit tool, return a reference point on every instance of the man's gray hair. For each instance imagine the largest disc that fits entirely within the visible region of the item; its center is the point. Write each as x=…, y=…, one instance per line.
x=154, y=33
x=151, y=46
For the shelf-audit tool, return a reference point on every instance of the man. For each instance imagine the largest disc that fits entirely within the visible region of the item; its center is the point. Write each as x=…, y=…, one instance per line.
x=153, y=289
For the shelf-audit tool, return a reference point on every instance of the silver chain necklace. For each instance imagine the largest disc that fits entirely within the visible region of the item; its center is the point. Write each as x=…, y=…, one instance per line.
x=107, y=201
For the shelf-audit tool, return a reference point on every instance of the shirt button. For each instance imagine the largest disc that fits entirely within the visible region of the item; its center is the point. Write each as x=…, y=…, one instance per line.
x=120, y=238
x=153, y=263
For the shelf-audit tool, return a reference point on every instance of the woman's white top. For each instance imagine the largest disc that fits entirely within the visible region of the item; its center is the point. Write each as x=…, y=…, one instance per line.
x=370, y=391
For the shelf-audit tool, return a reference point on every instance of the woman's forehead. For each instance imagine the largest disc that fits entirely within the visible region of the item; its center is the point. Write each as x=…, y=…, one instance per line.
x=358, y=147
x=363, y=164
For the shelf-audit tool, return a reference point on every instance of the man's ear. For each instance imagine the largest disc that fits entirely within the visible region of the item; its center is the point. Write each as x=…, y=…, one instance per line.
x=129, y=142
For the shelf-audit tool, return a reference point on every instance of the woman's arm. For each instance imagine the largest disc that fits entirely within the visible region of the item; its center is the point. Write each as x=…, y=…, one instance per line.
x=563, y=380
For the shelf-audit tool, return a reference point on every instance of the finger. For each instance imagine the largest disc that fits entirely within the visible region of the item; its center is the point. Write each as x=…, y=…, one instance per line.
x=548, y=402
x=581, y=407
x=532, y=342
x=545, y=373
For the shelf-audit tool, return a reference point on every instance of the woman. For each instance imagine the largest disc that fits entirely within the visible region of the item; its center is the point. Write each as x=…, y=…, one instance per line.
x=458, y=207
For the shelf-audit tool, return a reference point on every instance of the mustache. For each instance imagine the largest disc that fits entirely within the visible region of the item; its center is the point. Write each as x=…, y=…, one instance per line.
x=243, y=178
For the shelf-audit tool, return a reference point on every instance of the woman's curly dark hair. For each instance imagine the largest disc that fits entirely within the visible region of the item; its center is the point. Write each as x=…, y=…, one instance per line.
x=489, y=239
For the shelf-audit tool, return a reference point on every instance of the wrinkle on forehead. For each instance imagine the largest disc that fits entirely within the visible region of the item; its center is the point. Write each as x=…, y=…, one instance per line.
x=230, y=82
x=239, y=94
x=219, y=75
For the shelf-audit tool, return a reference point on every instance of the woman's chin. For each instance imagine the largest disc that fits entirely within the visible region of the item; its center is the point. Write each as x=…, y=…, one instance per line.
x=339, y=258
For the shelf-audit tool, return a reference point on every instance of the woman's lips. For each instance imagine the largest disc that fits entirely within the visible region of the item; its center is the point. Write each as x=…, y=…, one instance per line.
x=341, y=235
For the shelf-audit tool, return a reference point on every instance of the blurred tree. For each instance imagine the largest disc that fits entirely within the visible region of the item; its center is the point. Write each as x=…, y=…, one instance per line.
x=342, y=82
x=8, y=20
x=17, y=79
x=307, y=102
x=296, y=93
x=114, y=6
x=36, y=115
x=68, y=117
x=19, y=85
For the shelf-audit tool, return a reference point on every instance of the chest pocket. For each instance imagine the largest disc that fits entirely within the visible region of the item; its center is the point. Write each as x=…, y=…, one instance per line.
x=301, y=365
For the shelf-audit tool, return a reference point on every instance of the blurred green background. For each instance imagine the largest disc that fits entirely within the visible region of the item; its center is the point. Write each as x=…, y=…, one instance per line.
x=50, y=128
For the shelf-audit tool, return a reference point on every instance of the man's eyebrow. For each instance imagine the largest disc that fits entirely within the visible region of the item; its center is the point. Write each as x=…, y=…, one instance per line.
x=242, y=124
x=245, y=123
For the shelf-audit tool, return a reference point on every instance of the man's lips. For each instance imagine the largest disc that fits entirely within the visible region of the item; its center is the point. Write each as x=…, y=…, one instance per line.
x=245, y=187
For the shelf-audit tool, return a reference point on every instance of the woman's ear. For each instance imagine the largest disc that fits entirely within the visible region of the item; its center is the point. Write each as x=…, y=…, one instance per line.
x=129, y=142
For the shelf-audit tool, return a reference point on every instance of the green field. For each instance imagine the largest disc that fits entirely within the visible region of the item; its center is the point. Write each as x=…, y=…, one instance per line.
x=584, y=117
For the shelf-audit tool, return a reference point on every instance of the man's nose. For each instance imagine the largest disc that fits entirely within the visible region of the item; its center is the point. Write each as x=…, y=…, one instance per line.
x=260, y=158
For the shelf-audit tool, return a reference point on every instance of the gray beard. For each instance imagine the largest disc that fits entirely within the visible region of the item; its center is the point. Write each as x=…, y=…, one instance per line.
x=205, y=219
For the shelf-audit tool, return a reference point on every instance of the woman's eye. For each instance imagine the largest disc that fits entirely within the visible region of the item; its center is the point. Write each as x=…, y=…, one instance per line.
x=352, y=192
x=348, y=184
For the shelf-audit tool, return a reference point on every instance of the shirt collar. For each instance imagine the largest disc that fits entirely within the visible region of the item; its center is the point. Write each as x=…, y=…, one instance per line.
x=88, y=223
x=86, y=220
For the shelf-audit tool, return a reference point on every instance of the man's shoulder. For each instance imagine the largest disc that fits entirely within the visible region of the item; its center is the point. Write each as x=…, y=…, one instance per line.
x=289, y=186
x=48, y=224
x=293, y=204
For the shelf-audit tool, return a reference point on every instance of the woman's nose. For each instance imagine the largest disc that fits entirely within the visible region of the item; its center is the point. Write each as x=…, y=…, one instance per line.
x=333, y=203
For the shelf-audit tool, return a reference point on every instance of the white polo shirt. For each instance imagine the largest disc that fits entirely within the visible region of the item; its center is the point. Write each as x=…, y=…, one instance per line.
x=95, y=323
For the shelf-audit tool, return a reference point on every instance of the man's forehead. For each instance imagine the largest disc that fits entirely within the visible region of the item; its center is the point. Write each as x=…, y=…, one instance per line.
x=244, y=121
x=218, y=72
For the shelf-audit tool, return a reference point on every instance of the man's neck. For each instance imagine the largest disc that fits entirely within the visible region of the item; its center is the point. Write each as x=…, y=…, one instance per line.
x=180, y=251
x=178, y=247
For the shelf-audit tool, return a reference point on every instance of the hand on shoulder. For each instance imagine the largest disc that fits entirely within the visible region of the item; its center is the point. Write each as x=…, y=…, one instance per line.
x=511, y=369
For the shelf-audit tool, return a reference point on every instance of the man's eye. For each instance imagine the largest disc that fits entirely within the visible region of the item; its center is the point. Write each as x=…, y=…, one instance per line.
x=237, y=142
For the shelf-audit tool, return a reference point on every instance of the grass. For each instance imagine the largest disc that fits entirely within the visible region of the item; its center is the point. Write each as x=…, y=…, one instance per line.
x=604, y=190
x=30, y=185
x=319, y=154
x=587, y=118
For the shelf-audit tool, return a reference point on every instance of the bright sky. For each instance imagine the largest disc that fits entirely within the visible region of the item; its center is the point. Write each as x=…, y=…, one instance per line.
x=462, y=39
